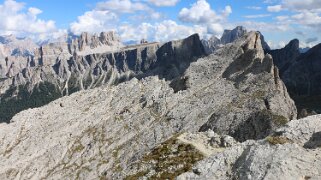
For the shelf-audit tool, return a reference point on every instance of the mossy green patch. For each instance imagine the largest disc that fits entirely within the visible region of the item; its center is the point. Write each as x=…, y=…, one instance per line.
x=169, y=160
x=274, y=140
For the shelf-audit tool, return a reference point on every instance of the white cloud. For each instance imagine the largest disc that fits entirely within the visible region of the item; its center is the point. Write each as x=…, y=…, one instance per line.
x=164, y=31
x=164, y=2
x=276, y=8
x=15, y=20
x=308, y=18
x=121, y=6
x=282, y=44
x=257, y=16
x=254, y=7
x=94, y=21
x=276, y=45
x=34, y=11
x=282, y=18
x=302, y=5
x=201, y=13
x=266, y=27
x=269, y=1
x=215, y=29
x=306, y=13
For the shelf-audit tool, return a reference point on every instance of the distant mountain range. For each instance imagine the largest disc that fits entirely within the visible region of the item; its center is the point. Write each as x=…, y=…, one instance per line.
x=73, y=63
x=90, y=107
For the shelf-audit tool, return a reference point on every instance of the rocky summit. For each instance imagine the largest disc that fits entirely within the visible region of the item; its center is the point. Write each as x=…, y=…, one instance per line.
x=229, y=36
x=168, y=111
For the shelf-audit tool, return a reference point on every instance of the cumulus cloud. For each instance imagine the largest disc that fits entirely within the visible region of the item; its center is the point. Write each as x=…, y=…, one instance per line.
x=282, y=18
x=276, y=45
x=14, y=19
x=276, y=8
x=254, y=7
x=307, y=18
x=269, y=1
x=201, y=13
x=105, y=16
x=257, y=16
x=121, y=6
x=302, y=5
x=34, y=11
x=266, y=27
x=94, y=21
x=215, y=29
x=163, y=31
x=164, y=2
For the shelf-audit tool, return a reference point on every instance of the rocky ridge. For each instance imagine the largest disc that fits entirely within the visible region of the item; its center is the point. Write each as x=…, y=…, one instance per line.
x=228, y=36
x=117, y=131
x=55, y=72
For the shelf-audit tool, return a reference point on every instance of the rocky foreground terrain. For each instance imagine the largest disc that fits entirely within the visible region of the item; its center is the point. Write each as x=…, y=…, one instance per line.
x=184, y=115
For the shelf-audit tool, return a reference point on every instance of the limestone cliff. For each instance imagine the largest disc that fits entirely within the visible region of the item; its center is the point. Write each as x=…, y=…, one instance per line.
x=134, y=129
x=56, y=71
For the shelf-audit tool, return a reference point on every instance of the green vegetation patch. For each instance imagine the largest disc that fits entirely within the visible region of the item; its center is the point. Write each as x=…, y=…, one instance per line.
x=168, y=160
x=274, y=140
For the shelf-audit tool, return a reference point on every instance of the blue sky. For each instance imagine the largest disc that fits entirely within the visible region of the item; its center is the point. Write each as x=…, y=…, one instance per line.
x=163, y=20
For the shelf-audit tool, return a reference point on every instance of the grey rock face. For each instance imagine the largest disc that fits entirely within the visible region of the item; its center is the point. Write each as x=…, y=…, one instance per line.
x=104, y=132
x=252, y=75
x=283, y=58
x=229, y=36
x=293, y=152
x=303, y=75
x=12, y=46
x=211, y=44
x=54, y=67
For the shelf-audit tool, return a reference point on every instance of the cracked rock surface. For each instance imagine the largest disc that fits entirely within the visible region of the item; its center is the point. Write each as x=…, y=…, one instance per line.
x=297, y=157
x=104, y=132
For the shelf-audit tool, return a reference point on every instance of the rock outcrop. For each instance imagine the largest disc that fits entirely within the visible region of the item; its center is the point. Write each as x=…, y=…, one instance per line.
x=283, y=58
x=229, y=36
x=292, y=152
x=232, y=35
x=120, y=131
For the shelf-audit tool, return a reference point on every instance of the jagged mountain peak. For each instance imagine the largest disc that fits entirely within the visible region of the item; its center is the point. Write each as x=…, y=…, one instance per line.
x=229, y=36
x=293, y=44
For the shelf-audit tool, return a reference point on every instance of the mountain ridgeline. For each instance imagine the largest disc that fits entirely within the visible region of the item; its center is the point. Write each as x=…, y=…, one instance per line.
x=178, y=114
x=60, y=69
x=301, y=73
